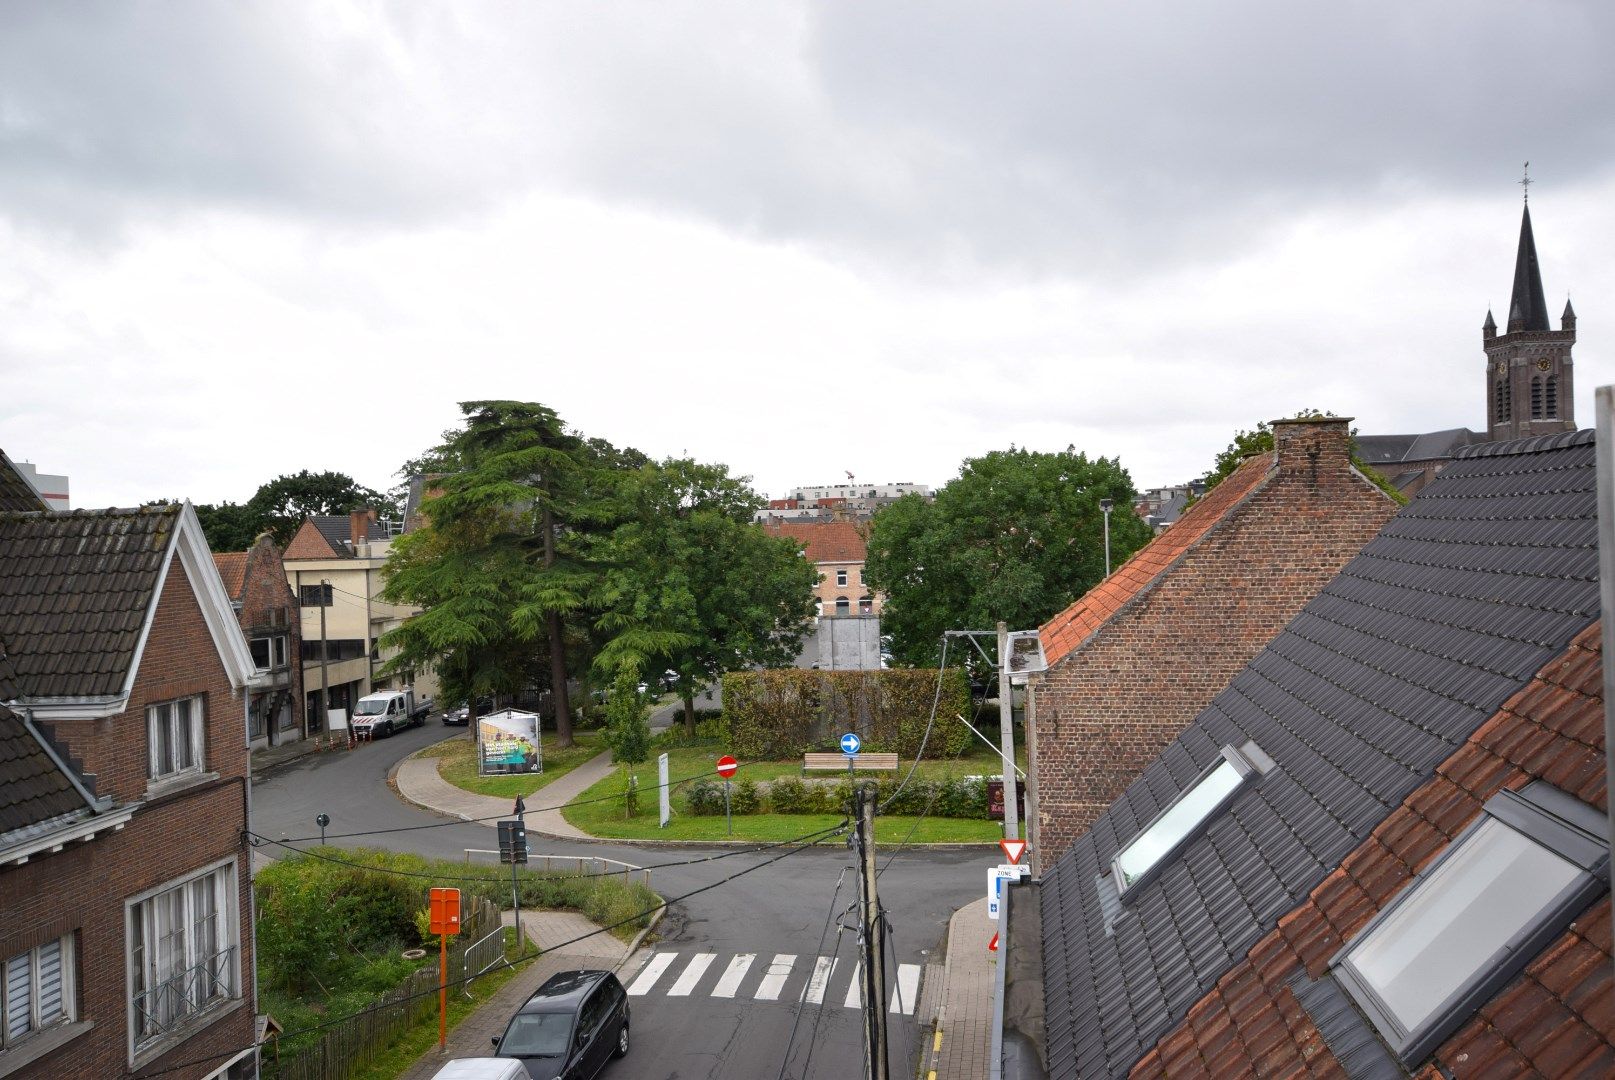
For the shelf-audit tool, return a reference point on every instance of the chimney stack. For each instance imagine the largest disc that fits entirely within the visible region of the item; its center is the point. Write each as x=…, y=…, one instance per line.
x=359, y=526
x=1315, y=444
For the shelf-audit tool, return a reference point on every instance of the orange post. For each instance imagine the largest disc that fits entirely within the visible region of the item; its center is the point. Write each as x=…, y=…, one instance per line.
x=443, y=912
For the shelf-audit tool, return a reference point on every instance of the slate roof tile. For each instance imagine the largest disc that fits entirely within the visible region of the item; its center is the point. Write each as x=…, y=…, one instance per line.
x=75, y=587
x=33, y=788
x=1452, y=609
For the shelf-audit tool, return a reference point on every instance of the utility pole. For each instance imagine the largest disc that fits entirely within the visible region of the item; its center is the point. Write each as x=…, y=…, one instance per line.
x=325, y=661
x=873, y=940
x=1006, y=738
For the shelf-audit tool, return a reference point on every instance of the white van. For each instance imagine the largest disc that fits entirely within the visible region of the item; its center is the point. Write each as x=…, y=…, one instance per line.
x=482, y=1068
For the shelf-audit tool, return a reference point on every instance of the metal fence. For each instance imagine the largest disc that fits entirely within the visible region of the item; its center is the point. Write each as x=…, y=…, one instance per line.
x=344, y=1048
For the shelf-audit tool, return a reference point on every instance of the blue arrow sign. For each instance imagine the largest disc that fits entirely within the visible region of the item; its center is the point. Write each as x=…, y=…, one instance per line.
x=850, y=744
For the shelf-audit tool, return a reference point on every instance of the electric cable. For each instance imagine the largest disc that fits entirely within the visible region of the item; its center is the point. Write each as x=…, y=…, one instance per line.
x=936, y=700
x=524, y=955
x=797, y=1018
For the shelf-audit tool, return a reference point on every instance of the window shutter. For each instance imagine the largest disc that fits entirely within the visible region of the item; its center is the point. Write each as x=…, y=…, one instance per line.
x=50, y=982
x=19, y=997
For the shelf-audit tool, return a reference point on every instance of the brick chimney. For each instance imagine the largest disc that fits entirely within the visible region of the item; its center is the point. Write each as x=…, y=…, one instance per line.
x=1316, y=445
x=359, y=526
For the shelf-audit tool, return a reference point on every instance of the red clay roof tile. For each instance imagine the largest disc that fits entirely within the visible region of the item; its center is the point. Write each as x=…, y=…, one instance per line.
x=824, y=541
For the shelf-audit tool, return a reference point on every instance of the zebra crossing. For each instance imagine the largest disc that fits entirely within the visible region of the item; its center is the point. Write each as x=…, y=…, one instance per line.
x=773, y=980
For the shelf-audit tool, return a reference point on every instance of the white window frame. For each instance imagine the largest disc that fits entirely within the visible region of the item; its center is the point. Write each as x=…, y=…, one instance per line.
x=1540, y=814
x=269, y=652
x=280, y=651
x=180, y=983
x=37, y=1022
x=166, y=713
x=1247, y=761
x=841, y=577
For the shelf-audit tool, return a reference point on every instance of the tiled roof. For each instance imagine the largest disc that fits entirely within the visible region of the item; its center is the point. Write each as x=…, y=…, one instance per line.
x=1452, y=609
x=1062, y=634
x=1543, y=1023
x=232, y=570
x=33, y=788
x=1430, y=446
x=16, y=493
x=75, y=587
x=326, y=536
x=309, y=543
x=824, y=541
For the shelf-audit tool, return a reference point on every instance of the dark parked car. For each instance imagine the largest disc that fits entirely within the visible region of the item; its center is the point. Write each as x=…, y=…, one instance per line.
x=571, y=1026
x=461, y=714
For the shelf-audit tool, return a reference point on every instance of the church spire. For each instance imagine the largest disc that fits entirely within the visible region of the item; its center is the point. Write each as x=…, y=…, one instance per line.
x=1528, y=308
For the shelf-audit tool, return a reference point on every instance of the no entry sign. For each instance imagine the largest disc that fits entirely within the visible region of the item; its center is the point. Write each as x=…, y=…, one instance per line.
x=727, y=766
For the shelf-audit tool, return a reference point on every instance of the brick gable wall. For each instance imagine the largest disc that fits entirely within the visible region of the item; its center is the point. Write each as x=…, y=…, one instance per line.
x=83, y=888
x=1556, y=1019
x=1109, y=708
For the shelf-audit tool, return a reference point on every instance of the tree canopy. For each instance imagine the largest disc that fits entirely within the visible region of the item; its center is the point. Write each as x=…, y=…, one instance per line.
x=1017, y=535
x=280, y=505
x=690, y=585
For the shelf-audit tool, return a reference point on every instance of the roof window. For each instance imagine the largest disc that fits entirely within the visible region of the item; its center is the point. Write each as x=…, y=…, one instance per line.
x=1507, y=887
x=1185, y=816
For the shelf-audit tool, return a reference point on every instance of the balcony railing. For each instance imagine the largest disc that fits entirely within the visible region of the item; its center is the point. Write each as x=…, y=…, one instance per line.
x=172, y=1001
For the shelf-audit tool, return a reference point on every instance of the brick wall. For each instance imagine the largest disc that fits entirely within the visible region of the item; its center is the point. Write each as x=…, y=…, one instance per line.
x=83, y=888
x=1109, y=708
x=1556, y=1019
x=268, y=608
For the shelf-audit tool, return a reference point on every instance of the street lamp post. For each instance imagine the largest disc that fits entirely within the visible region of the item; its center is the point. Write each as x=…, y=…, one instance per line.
x=1105, y=505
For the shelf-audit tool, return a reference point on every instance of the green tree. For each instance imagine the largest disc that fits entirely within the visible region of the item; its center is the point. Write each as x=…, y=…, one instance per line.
x=228, y=526
x=495, y=569
x=1017, y=536
x=281, y=505
x=691, y=585
x=627, y=731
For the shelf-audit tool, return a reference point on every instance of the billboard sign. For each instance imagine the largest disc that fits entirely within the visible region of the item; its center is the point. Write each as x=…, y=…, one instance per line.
x=507, y=742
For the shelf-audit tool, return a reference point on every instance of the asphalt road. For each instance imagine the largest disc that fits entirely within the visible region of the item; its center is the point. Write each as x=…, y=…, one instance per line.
x=683, y=1025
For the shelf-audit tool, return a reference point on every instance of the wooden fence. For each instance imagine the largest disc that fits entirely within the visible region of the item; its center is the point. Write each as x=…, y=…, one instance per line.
x=345, y=1047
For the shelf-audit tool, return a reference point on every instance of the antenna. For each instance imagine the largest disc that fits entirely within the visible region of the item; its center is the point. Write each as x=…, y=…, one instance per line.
x=1526, y=181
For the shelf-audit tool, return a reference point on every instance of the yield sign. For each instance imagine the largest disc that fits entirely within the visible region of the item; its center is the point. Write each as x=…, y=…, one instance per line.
x=1014, y=849
x=992, y=946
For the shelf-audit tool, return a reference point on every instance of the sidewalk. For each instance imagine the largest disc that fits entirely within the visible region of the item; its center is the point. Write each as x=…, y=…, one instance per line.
x=547, y=930
x=418, y=782
x=964, y=1016
x=266, y=758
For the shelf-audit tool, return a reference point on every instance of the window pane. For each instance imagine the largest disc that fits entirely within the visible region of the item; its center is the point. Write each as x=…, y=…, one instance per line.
x=184, y=748
x=1457, y=919
x=260, y=652
x=50, y=982
x=1179, y=821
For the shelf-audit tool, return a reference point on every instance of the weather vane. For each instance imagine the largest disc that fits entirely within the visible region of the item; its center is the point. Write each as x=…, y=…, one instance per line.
x=1526, y=181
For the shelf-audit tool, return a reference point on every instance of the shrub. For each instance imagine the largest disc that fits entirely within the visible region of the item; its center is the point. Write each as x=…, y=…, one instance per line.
x=788, y=795
x=704, y=797
x=744, y=798
x=777, y=714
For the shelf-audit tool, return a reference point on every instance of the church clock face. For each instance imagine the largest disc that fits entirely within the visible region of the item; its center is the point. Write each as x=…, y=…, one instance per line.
x=1543, y=365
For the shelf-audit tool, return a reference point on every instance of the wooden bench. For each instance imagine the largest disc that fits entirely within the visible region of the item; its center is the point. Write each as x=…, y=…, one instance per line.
x=838, y=762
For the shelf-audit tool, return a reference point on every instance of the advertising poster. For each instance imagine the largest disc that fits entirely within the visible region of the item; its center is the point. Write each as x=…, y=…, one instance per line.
x=507, y=742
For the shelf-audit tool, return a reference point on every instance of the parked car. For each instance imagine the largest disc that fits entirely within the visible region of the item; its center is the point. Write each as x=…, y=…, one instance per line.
x=571, y=1026
x=386, y=711
x=461, y=714
x=482, y=1068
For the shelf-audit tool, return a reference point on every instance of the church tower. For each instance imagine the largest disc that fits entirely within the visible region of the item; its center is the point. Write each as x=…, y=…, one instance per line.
x=1529, y=386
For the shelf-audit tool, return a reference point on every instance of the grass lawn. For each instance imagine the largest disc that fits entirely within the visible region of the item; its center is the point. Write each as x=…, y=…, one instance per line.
x=605, y=816
x=397, y=1059
x=457, y=763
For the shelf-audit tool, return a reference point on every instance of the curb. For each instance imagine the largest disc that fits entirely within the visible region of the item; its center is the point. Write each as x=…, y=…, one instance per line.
x=633, y=946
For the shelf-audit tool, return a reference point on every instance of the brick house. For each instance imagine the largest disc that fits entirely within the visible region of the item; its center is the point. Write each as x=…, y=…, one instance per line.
x=1133, y=660
x=266, y=608
x=838, y=549
x=125, y=874
x=1290, y=888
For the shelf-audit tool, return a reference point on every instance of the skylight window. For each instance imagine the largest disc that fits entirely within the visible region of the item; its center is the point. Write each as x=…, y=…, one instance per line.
x=1507, y=887
x=1183, y=818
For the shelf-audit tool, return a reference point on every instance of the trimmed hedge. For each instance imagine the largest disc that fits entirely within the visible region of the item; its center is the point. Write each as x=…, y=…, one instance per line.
x=778, y=714
x=956, y=797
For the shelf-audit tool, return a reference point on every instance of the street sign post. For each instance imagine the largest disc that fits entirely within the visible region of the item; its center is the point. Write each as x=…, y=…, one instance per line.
x=726, y=768
x=1014, y=849
x=850, y=744
x=995, y=885
x=664, y=799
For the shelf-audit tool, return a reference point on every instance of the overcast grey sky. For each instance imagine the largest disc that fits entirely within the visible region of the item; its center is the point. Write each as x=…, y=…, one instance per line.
x=802, y=239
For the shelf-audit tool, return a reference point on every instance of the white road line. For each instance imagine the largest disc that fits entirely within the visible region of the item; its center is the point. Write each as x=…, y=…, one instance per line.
x=908, y=989
x=691, y=975
x=729, y=981
x=774, y=979
x=823, y=969
x=652, y=971
x=855, y=993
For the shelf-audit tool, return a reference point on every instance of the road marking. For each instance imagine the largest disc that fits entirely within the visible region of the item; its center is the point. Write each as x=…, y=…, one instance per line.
x=729, y=982
x=855, y=994
x=652, y=971
x=774, y=981
x=824, y=968
x=908, y=989
x=691, y=975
